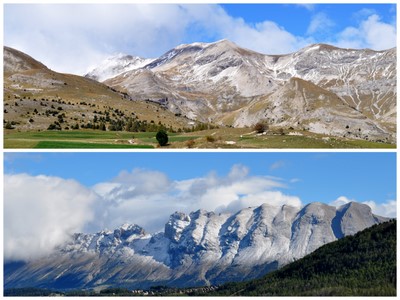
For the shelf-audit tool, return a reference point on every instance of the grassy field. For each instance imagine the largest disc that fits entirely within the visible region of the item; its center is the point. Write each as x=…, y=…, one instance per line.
x=80, y=145
x=225, y=138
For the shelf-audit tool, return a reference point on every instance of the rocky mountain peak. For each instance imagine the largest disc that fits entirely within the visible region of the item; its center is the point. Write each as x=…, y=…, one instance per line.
x=176, y=224
x=128, y=231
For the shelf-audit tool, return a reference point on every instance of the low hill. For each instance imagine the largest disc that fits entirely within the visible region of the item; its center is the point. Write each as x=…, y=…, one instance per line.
x=359, y=265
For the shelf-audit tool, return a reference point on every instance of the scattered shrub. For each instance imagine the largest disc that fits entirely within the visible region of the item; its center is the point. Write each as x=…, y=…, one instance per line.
x=210, y=139
x=260, y=127
x=190, y=143
x=8, y=126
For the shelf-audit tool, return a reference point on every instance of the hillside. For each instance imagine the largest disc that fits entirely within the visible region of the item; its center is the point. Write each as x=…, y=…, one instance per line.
x=359, y=265
x=36, y=98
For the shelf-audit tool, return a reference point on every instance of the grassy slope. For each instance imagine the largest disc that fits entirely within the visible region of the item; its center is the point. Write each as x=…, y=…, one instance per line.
x=359, y=265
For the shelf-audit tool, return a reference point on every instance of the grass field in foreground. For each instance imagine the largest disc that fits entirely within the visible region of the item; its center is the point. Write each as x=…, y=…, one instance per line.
x=82, y=145
x=232, y=138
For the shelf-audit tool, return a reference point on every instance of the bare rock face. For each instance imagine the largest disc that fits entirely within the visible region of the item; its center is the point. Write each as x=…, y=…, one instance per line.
x=176, y=224
x=197, y=249
x=225, y=84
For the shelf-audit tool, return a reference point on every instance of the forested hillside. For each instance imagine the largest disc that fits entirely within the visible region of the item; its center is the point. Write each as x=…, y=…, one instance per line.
x=359, y=265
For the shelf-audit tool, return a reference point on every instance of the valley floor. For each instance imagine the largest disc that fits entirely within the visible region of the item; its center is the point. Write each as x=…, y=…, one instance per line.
x=223, y=138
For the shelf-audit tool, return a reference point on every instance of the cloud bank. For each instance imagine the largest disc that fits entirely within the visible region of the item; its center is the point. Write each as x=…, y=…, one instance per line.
x=41, y=212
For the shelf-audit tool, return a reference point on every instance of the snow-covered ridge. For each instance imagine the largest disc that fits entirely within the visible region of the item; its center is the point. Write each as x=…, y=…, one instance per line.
x=116, y=65
x=196, y=249
x=204, y=228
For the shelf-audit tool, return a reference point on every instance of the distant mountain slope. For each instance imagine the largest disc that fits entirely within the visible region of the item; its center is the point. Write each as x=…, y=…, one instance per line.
x=223, y=83
x=202, y=248
x=360, y=265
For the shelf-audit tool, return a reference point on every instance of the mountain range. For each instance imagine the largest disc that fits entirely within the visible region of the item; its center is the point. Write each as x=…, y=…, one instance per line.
x=320, y=88
x=201, y=248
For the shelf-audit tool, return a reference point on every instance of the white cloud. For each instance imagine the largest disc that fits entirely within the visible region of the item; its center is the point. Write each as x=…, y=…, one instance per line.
x=363, y=13
x=307, y=6
x=387, y=209
x=371, y=33
x=320, y=23
x=141, y=197
x=340, y=201
x=294, y=180
x=73, y=37
x=238, y=172
x=277, y=165
x=41, y=212
x=70, y=38
x=266, y=37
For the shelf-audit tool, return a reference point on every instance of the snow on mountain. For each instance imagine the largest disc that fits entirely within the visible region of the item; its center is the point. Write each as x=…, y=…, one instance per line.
x=364, y=79
x=225, y=84
x=116, y=65
x=197, y=249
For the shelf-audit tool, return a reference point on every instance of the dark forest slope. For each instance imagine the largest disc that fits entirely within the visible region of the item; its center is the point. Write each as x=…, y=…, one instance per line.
x=359, y=265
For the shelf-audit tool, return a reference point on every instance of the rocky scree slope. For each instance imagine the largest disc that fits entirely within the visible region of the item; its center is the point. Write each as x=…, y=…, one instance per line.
x=342, y=92
x=198, y=249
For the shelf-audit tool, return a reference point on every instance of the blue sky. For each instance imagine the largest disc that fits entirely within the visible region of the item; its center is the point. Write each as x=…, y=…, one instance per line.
x=75, y=37
x=312, y=176
x=296, y=18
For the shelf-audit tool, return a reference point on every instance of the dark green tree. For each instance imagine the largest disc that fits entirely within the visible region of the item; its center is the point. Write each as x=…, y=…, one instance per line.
x=162, y=137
